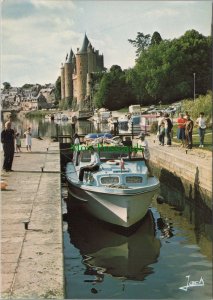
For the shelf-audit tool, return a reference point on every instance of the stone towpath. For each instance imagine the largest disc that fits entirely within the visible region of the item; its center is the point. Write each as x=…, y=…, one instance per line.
x=32, y=260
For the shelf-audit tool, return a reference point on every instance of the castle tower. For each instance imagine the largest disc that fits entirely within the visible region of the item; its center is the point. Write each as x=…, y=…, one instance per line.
x=82, y=70
x=91, y=59
x=68, y=71
x=62, y=83
x=77, y=74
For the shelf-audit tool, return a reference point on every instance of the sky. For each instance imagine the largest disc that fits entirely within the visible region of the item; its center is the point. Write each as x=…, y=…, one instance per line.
x=36, y=35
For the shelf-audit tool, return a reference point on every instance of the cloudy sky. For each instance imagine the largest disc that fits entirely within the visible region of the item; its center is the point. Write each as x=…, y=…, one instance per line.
x=36, y=35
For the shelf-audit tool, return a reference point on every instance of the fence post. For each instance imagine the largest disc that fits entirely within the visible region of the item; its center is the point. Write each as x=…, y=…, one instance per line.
x=56, y=132
x=132, y=131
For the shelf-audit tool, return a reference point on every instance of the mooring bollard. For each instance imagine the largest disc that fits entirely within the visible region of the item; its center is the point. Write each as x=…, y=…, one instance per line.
x=26, y=223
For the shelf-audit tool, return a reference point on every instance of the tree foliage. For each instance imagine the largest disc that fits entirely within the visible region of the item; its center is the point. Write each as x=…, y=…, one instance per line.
x=114, y=92
x=156, y=38
x=201, y=104
x=164, y=72
x=6, y=85
x=27, y=86
x=141, y=42
x=58, y=88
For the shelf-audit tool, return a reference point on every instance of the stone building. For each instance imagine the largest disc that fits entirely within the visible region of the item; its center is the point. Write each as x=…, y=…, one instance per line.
x=76, y=74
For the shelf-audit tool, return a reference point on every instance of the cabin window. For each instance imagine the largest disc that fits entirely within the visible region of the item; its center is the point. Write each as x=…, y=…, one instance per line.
x=109, y=180
x=134, y=179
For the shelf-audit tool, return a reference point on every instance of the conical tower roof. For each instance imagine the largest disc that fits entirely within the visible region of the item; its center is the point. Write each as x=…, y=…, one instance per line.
x=85, y=44
x=69, y=60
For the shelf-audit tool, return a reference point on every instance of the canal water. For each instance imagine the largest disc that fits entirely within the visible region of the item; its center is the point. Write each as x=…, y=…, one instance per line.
x=170, y=249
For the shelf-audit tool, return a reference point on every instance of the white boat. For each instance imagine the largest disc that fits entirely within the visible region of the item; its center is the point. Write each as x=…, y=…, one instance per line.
x=147, y=121
x=61, y=117
x=102, y=115
x=123, y=123
x=49, y=117
x=134, y=124
x=115, y=194
x=135, y=109
x=83, y=114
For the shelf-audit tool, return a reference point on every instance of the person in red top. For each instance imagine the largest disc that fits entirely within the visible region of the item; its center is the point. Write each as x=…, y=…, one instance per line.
x=181, y=121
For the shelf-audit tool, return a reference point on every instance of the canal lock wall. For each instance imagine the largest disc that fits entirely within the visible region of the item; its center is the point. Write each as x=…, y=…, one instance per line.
x=190, y=173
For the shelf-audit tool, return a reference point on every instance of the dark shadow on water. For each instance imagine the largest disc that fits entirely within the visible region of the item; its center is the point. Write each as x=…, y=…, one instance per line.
x=187, y=199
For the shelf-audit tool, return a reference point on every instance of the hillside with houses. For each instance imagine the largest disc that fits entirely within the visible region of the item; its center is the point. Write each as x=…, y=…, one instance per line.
x=29, y=97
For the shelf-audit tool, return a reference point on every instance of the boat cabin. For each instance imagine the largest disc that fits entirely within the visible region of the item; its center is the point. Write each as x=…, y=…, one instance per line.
x=116, y=169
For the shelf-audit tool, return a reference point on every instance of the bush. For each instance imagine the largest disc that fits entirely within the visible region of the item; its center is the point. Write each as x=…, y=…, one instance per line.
x=201, y=104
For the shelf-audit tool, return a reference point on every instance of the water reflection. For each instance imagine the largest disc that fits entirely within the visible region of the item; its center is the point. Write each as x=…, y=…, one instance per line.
x=51, y=128
x=46, y=128
x=106, y=250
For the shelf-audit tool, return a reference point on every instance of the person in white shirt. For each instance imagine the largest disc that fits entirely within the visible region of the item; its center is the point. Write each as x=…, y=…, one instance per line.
x=93, y=166
x=160, y=122
x=28, y=139
x=201, y=122
x=76, y=139
x=146, y=153
x=76, y=152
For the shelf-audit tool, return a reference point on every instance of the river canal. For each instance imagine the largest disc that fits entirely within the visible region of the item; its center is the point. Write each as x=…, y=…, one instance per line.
x=171, y=247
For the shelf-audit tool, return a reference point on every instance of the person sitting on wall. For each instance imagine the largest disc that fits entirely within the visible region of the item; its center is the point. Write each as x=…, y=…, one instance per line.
x=93, y=166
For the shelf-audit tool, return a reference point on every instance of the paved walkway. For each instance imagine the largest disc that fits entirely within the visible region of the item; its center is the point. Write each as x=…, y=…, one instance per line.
x=196, y=155
x=32, y=260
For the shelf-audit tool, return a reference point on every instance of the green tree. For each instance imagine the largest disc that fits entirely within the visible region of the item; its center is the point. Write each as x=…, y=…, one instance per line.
x=156, y=38
x=6, y=85
x=114, y=91
x=58, y=88
x=164, y=72
x=141, y=42
x=27, y=86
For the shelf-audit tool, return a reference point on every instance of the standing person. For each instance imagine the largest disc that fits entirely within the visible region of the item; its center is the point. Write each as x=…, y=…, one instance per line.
x=188, y=132
x=160, y=120
x=93, y=166
x=76, y=139
x=146, y=153
x=162, y=133
x=76, y=147
x=28, y=136
x=13, y=126
x=181, y=122
x=18, y=142
x=186, y=115
x=7, y=139
x=168, y=129
x=201, y=122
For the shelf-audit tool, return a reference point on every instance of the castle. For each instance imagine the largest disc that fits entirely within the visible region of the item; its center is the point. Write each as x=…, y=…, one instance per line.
x=76, y=74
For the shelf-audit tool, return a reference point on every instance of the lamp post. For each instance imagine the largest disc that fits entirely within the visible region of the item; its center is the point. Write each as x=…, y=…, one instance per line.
x=194, y=85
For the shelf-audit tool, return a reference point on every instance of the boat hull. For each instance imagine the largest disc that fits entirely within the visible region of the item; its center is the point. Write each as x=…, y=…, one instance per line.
x=115, y=207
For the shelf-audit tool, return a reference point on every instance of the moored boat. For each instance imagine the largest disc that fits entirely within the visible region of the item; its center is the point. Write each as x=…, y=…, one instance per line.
x=147, y=121
x=119, y=193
